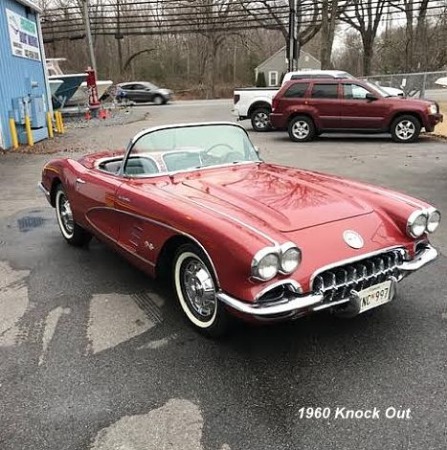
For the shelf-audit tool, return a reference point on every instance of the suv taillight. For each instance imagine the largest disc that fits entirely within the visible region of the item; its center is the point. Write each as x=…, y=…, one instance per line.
x=236, y=98
x=275, y=103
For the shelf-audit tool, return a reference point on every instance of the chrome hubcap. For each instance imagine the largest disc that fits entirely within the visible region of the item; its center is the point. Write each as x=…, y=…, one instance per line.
x=300, y=129
x=199, y=288
x=261, y=120
x=405, y=130
x=66, y=214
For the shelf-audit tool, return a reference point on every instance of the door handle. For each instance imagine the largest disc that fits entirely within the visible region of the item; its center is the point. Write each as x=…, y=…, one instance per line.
x=80, y=181
x=123, y=198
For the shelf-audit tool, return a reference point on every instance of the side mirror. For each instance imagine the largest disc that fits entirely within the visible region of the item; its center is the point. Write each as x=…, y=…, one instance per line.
x=370, y=96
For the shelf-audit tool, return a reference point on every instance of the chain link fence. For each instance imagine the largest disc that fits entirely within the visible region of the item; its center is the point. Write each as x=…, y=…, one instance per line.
x=422, y=84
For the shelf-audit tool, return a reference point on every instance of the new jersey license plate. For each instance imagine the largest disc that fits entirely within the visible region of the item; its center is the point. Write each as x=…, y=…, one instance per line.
x=375, y=296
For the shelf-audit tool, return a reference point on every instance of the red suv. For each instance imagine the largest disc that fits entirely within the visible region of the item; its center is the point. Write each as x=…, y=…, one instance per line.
x=308, y=108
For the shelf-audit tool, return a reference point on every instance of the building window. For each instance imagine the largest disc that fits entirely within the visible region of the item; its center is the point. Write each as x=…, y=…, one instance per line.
x=273, y=78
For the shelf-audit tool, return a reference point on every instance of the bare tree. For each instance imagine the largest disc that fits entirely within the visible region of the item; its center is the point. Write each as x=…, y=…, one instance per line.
x=365, y=17
x=306, y=18
x=330, y=13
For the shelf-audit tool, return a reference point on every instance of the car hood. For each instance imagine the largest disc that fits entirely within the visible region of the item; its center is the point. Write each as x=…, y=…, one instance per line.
x=282, y=198
x=411, y=102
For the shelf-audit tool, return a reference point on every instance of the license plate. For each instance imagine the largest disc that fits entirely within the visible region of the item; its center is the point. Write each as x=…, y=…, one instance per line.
x=375, y=296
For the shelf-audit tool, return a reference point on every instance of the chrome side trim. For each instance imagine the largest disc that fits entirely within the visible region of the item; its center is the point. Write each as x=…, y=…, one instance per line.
x=351, y=260
x=294, y=304
x=423, y=257
x=156, y=222
x=43, y=189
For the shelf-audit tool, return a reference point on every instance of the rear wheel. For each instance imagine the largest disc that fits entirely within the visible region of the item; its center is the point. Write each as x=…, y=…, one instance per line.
x=301, y=129
x=71, y=231
x=196, y=290
x=260, y=119
x=405, y=129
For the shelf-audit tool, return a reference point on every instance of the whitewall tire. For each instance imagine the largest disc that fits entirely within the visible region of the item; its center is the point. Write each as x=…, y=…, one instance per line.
x=70, y=230
x=195, y=285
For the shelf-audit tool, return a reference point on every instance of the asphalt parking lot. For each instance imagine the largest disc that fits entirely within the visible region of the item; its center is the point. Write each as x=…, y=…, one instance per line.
x=94, y=355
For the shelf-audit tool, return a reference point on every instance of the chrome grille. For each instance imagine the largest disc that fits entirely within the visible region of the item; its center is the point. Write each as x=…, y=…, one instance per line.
x=336, y=283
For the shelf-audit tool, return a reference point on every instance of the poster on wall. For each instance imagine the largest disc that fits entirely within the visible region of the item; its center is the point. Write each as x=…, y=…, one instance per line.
x=23, y=36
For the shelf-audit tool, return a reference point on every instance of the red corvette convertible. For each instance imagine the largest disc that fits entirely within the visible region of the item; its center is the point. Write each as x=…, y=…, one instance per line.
x=239, y=236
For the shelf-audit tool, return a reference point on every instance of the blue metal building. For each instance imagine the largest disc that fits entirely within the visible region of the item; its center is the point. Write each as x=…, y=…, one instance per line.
x=24, y=88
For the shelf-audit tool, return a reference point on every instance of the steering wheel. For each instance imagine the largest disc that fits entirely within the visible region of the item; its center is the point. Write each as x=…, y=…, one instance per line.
x=231, y=156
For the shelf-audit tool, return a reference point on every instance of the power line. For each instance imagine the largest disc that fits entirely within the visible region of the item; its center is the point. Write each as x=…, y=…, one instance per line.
x=184, y=24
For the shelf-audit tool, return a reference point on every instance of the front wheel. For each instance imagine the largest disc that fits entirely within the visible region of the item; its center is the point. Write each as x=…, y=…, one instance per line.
x=301, y=129
x=260, y=119
x=195, y=287
x=71, y=231
x=405, y=129
x=159, y=100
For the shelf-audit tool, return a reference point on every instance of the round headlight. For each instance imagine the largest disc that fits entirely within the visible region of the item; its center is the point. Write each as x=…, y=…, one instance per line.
x=417, y=224
x=434, y=219
x=266, y=267
x=290, y=260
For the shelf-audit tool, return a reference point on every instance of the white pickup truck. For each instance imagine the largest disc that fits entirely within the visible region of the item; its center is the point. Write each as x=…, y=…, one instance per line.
x=255, y=103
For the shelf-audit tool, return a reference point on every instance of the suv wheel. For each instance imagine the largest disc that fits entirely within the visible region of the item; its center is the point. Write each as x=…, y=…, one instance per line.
x=405, y=129
x=260, y=119
x=301, y=129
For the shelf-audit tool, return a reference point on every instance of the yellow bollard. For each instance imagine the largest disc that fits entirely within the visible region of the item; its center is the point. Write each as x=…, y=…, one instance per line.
x=29, y=132
x=62, y=123
x=50, y=125
x=14, y=137
x=56, y=117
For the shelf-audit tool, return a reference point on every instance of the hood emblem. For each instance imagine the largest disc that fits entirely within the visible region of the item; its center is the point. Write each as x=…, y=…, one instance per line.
x=353, y=239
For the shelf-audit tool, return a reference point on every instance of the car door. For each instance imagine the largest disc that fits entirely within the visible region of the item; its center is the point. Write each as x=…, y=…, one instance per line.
x=357, y=112
x=95, y=194
x=324, y=102
x=143, y=231
x=141, y=93
x=293, y=98
x=128, y=90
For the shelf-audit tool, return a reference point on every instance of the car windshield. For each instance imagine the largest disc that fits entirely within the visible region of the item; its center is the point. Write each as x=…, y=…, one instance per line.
x=151, y=86
x=189, y=147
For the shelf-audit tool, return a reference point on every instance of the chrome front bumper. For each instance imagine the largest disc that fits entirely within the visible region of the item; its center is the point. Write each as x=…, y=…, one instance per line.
x=296, y=303
x=44, y=190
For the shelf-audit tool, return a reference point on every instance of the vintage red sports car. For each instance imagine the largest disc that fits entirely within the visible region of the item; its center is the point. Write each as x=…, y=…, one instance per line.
x=239, y=236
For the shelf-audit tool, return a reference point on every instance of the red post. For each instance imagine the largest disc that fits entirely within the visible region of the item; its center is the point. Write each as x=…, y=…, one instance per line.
x=93, y=100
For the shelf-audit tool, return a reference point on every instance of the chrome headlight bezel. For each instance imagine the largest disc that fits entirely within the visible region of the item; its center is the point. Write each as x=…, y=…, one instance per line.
x=286, y=248
x=259, y=258
x=418, y=215
x=279, y=265
x=433, y=213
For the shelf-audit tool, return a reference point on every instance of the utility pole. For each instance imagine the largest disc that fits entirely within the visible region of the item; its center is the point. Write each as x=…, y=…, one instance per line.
x=119, y=37
x=292, y=44
x=88, y=33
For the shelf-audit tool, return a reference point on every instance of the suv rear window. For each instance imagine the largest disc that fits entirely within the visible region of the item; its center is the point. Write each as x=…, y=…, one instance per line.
x=297, y=90
x=324, y=91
